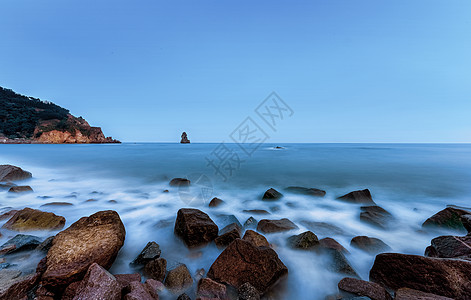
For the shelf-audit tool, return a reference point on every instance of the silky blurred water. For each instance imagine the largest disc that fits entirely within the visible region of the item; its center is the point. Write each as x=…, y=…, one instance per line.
x=412, y=181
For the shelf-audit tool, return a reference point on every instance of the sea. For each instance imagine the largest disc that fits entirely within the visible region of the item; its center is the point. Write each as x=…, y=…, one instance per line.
x=411, y=181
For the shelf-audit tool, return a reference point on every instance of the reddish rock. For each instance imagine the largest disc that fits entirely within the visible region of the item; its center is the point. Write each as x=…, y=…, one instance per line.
x=243, y=262
x=195, y=227
x=248, y=292
x=306, y=240
x=211, y=289
x=178, y=279
x=449, y=218
x=330, y=243
x=269, y=226
x=215, y=202
x=98, y=284
x=444, y=277
x=93, y=239
x=450, y=247
x=20, y=189
x=369, y=244
x=139, y=291
x=29, y=219
x=125, y=279
x=71, y=290
x=8, y=214
x=227, y=235
x=14, y=286
x=156, y=269
x=13, y=173
x=363, y=196
x=257, y=211
x=154, y=286
x=150, y=252
x=409, y=294
x=364, y=288
x=255, y=238
x=179, y=182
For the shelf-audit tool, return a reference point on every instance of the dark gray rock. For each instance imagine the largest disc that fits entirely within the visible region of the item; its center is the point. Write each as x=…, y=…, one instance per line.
x=363, y=196
x=369, y=244
x=269, y=226
x=306, y=241
x=271, y=195
x=227, y=235
x=13, y=173
x=215, y=202
x=20, y=242
x=305, y=191
x=376, y=215
x=248, y=292
x=364, y=288
x=150, y=252
x=449, y=218
x=450, y=247
x=156, y=269
x=179, y=182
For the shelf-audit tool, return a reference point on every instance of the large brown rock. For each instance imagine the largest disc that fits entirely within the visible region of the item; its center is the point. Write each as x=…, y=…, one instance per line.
x=360, y=287
x=195, y=227
x=156, y=269
x=98, y=284
x=269, y=226
x=227, y=235
x=363, y=196
x=444, y=277
x=93, y=239
x=450, y=247
x=208, y=288
x=255, y=238
x=29, y=219
x=178, y=279
x=449, y=218
x=410, y=294
x=15, y=286
x=12, y=173
x=243, y=262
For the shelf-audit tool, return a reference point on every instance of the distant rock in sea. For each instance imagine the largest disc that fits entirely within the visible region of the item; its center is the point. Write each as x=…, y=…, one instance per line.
x=185, y=139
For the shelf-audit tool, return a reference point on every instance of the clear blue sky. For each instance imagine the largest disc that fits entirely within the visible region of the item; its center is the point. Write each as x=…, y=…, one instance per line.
x=352, y=71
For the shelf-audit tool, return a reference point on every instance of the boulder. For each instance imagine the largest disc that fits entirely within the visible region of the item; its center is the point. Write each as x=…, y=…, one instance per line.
x=8, y=214
x=29, y=219
x=208, y=288
x=466, y=220
x=139, y=291
x=154, y=286
x=272, y=194
x=306, y=240
x=227, y=235
x=250, y=223
x=410, y=294
x=178, y=279
x=12, y=173
x=255, y=238
x=46, y=244
x=248, y=292
x=306, y=191
x=363, y=196
x=330, y=243
x=15, y=286
x=150, y=252
x=20, y=189
x=20, y=242
x=269, y=226
x=364, y=288
x=337, y=262
x=449, y=218
x=450, y=247
x=376, y=216
x=215, y=202
x=243, y=262
x=125, y=279
x=444, y=277
x=98, y=284
x=156, y=269
x=179, y=182
x=223, y=220
x=93, y=239
x=195, y=227
x=369, y=244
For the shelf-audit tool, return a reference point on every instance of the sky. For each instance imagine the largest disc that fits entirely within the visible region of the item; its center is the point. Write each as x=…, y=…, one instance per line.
x=146, y=70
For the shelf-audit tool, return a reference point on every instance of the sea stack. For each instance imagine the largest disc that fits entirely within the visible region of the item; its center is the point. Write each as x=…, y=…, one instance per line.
x=185, y=139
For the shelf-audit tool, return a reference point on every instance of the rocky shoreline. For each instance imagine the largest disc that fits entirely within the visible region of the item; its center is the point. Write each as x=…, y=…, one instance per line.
x=75, y=261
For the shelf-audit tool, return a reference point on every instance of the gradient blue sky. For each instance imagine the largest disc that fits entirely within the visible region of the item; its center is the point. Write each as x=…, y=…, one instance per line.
x=352, y=71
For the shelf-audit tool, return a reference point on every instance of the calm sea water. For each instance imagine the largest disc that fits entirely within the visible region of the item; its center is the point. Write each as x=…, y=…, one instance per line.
x=412, y=181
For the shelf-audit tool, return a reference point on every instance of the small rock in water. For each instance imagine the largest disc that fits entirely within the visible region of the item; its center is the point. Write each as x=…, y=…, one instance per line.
x=256, y=211
x=250, y=223
x=195, y=227
x=178, y=279
x=369, y=244
x=150, y=252
x=227, y=235
x=450, y=247
x=13, y=173
x=20, y=189
x=322, y=228
x=248, y=292
x=29, y=219
x=364, y=288
x=179, y=182
x=375, y=215
x=339, y=263
x=208, y=288
x=255, y=238
x=184, y=139
x=330, y=243
x=272, y=194
x=224, y=220
x=269, y=226
x=363, y=196
x=57, y=204
x=306, y=191
x=449, y=218
x=20, y=242
x=306, y=240
x=215, y=202
x=466, y=220
x=156, y=269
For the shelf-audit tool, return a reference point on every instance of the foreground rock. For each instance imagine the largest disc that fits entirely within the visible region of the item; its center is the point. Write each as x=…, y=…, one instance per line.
x=208, y=288
x=13, y=173
x=179, y=182
x=364, y=288
x=376, y=215
x=337, y=262
x=156, y=269
x=140, y=291
x=20, y=242
x=270, y=226
x=363, y=196
x=243, y=262
x=195, y=227
x=178, y=279
x=248, y=292
x=20, y=189
x=255, y=238
x=450, y=247
x=306, y=240
x=466, y=220
x=29, y=219
x=93, y=239
x=369, y=244
x=98, y=284
x=444, y=277
x=227, y=235
x=449, y=218
x=306, y=191
x=330, y=243
x=150, y=252
x=410, y=294
x=15, y=286
x=272, y=194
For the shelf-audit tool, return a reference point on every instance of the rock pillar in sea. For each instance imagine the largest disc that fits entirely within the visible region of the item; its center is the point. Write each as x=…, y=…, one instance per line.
x=185, y=139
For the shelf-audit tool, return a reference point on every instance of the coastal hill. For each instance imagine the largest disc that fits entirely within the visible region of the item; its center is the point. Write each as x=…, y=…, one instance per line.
x=30, y=120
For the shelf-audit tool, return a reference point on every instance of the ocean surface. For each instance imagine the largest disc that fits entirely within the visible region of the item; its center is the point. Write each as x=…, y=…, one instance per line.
x=411, y=181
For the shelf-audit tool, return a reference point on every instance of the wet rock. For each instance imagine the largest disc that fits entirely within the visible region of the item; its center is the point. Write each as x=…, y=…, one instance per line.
x=215, y=202
x=256, y=211
x=250, y=223
x=449, y=218
x=272, y=194
x=8, y=214
x=369, y=244
x=178, y=279
x=269, y=226
x=322, y=228
x=179, y=182
x=306, y=191
x=306, y=240
x=375, y=215
x=57, y=204
x=211, y=289
x=156, y=269
x=98, y=284
x=15, y=286
x=29, y=219
x=227, y=235
x=444, y=277
x=338, y=263
x=46, y=244
x=150, y=252
x=243, y=262
x=330, y=243
x=139, y=291
x=13, y=173
x=20, y=242
x=6, y=186
x=195, y=227
x=154, y=286
x=466, y=220
x=20, y=189
x=71, y=290
x=410, y=294
x=255, y=238
x=248, y=292
x=364, y=288
x=363, y=196
x=93, y=239
x=183, y=297
x=450, y=247
x=125, y=279
x=224, y=220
